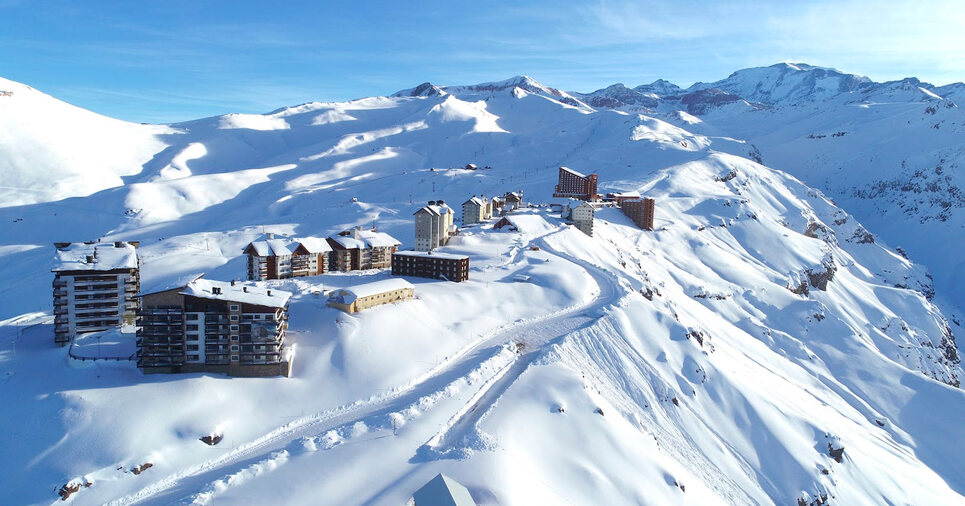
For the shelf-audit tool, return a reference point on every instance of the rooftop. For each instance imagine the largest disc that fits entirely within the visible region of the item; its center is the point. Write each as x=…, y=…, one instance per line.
x=103, y=256
x=243, y=293
x=349, y=294
x=571, y=171
x=447, y=256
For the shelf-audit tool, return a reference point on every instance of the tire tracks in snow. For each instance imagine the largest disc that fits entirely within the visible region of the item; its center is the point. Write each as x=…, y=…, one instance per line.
x=471, y=359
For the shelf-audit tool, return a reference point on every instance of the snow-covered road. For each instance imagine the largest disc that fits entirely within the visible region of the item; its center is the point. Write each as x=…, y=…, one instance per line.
x=527, y=338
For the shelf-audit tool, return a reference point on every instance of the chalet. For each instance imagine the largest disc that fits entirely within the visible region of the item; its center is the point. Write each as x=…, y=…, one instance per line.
x=641, y=211
x=443, y=491
x=94, y=287
x=427, y=264
x=433, y=225
x=214, y=326
x=506, y=221
x=362, y=249
x=283, y=258
x=573, y=184
x=475, y=210
x=360, y=297
x=513, y=201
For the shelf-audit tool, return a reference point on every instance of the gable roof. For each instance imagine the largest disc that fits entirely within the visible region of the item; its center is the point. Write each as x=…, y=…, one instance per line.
x=443, y=491
x=378, y=239
x=314, y=245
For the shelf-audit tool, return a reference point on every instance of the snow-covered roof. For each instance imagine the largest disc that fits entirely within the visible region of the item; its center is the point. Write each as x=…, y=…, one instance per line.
x=443, y=491
x=476, y=200
x=349, y=294
x=348, y=242
x=315, y=244
x=627, y=195
x=378, y=239
x=104, y=256
x=243, y=293
x=571, y=171
x=280, y=247
x=447, y=256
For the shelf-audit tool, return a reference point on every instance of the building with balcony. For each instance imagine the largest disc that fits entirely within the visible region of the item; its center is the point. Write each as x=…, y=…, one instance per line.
x=214, y=326
x=575, y=185
x=427, y=264
x=433, y=226
x=357, y=249
x=359, y=297
x=282, y=258
x=94, y=287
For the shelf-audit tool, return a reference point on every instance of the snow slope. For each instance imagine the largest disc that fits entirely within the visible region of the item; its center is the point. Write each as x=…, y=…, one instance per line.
x=50, y=150
x=710, y=361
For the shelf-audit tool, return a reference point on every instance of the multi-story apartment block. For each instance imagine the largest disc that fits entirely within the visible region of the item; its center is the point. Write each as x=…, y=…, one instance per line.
x=433, y=226
x=641, y=211
x=94, y=287
x=582, y=216
x=573, y=184
x=273, y=258
x=475, y=210
x=214, y=326
x=362, y=249
x=427, y=264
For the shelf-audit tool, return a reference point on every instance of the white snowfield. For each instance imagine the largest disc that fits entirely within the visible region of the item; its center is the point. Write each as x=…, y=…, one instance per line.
x=731, y=356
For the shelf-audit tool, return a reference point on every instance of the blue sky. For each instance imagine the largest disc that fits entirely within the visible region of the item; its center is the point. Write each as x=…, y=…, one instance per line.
x=178, y=60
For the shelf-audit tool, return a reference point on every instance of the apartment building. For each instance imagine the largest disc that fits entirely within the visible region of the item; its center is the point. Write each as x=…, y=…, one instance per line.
x=475, y=210
x=433, y=225
x=94, y=287
x=357, y=249
x=641, y=211
x=582, y=216
x=428, y=264
x=284, y=258
x=214, y=326
x=572, y=184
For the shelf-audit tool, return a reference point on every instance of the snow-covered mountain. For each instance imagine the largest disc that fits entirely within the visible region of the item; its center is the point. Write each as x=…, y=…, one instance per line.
x=726, y=357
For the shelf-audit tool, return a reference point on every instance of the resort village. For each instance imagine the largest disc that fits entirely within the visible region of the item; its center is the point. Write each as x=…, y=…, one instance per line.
x=238, y=327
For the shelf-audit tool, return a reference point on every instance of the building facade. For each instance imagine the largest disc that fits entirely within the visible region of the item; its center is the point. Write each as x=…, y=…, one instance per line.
x=475, y=210
x=94, y=287
x=431, y=265
x=582, y=216
x=273, y=258
x=512, y=201
x=214, y=326
x=434, y=225
x=360, y=297
x=641, y=211
x=357, y=249
x=575, y=185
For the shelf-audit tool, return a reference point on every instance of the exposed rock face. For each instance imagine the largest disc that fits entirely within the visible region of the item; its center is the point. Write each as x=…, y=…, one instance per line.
x=702, y=101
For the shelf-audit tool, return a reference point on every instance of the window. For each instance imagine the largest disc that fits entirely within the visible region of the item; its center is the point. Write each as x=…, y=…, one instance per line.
x=234, y=328
x=234, y=317
x=191, y=316
x=191, y=327
x=234, y=347
x=234, y=307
